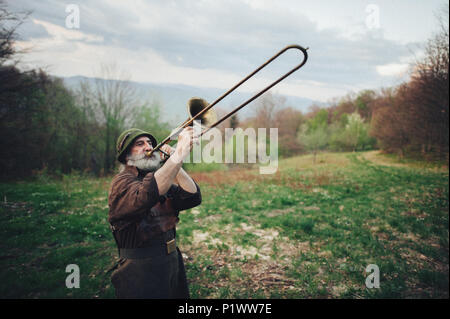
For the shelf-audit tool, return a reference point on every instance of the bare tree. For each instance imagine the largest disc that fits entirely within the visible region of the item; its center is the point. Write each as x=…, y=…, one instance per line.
x=288, y=121
x=313, y=141
x=115, y=101
x=414, y=117
x=266, y=108
x=9, y=23
x=430, y=92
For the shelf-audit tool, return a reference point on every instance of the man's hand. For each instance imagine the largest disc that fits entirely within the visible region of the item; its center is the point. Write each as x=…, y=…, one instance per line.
x=186, y=140
x=165, y=176
x=166, y=149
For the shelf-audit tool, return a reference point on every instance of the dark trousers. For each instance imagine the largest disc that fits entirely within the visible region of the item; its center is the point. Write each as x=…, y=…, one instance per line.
x=161, y=277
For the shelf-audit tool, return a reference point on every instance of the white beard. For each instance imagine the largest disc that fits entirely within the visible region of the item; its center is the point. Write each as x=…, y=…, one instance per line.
x=144, y=163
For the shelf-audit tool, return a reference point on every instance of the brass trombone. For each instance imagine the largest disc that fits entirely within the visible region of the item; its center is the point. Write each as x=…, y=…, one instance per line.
x=199, y=108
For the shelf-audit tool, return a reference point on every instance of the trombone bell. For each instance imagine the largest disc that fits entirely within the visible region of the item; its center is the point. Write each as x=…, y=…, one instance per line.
x=195, y=105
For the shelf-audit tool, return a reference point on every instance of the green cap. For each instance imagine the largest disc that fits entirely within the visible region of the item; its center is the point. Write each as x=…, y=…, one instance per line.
x=126, y=138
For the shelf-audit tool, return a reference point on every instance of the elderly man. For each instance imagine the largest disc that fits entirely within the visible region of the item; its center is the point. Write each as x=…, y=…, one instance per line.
x=144, y=202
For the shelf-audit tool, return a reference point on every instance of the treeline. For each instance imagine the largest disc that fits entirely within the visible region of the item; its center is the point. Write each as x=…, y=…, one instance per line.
x=344, y=126
x=41, y=127
x=409, y=120
x=47, y=127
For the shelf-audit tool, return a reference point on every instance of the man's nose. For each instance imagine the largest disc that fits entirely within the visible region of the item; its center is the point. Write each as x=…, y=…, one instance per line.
x=148, y=147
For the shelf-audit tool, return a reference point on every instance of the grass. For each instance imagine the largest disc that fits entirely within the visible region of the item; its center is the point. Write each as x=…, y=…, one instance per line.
x=308, y=231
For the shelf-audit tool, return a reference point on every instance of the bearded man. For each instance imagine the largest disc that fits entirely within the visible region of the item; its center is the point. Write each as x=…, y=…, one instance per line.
x=144, y=203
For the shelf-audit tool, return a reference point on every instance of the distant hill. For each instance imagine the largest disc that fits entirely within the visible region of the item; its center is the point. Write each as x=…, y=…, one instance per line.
x=172, y=98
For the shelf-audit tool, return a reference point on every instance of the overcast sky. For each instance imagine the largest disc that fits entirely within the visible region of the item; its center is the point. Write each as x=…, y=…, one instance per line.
x=353, y=44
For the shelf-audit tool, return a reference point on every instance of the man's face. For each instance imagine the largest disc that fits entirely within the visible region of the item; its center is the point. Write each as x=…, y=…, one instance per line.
x=141, y=145
x=137, y=155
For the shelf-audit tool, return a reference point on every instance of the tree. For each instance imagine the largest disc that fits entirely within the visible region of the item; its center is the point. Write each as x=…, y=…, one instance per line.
x=313, y=140
x=265, y=110
x=429, y=93
x=114, y=102
x=9, y=22
x=12, y=81
x=354, y=130
x=413, y=118
x=88, y=131
x=234, y=121
x=288, y=121
x=40, y=126
x=148, y=118
x=363, y=101
x=390, y=123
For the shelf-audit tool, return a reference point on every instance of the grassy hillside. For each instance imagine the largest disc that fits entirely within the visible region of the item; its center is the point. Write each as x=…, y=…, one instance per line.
x=308, y=231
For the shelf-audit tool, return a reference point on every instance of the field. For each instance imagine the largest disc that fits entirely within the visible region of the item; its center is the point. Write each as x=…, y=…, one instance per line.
x=308, y=231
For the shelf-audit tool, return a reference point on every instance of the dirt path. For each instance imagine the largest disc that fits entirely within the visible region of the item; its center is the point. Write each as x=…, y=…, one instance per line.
x=377, y=157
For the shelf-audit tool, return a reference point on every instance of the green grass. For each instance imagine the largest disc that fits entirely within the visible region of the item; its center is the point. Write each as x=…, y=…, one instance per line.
x=308, y=231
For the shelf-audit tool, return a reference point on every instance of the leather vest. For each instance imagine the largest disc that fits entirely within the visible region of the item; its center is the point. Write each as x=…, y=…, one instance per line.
x=140, y=231
x=161, y=218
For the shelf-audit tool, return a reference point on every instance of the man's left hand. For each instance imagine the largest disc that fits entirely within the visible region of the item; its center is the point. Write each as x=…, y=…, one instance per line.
x=167, y=149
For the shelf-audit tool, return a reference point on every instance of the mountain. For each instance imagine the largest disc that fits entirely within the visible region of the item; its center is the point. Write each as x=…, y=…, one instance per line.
x=172, y=98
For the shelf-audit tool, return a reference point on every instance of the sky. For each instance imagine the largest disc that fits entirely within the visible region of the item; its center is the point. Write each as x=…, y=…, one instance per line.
x=353, y=44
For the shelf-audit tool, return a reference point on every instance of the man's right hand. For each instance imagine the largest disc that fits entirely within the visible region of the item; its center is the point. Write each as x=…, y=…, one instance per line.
x=186, y=140
x=165, y=176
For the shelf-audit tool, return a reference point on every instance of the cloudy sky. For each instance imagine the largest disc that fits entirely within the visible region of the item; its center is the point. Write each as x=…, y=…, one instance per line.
x=353, y=44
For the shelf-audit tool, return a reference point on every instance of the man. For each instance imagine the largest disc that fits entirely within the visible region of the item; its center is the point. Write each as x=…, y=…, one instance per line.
x=144, y=202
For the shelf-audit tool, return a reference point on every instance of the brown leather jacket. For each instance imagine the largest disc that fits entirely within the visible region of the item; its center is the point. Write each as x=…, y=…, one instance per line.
x=138, y=213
